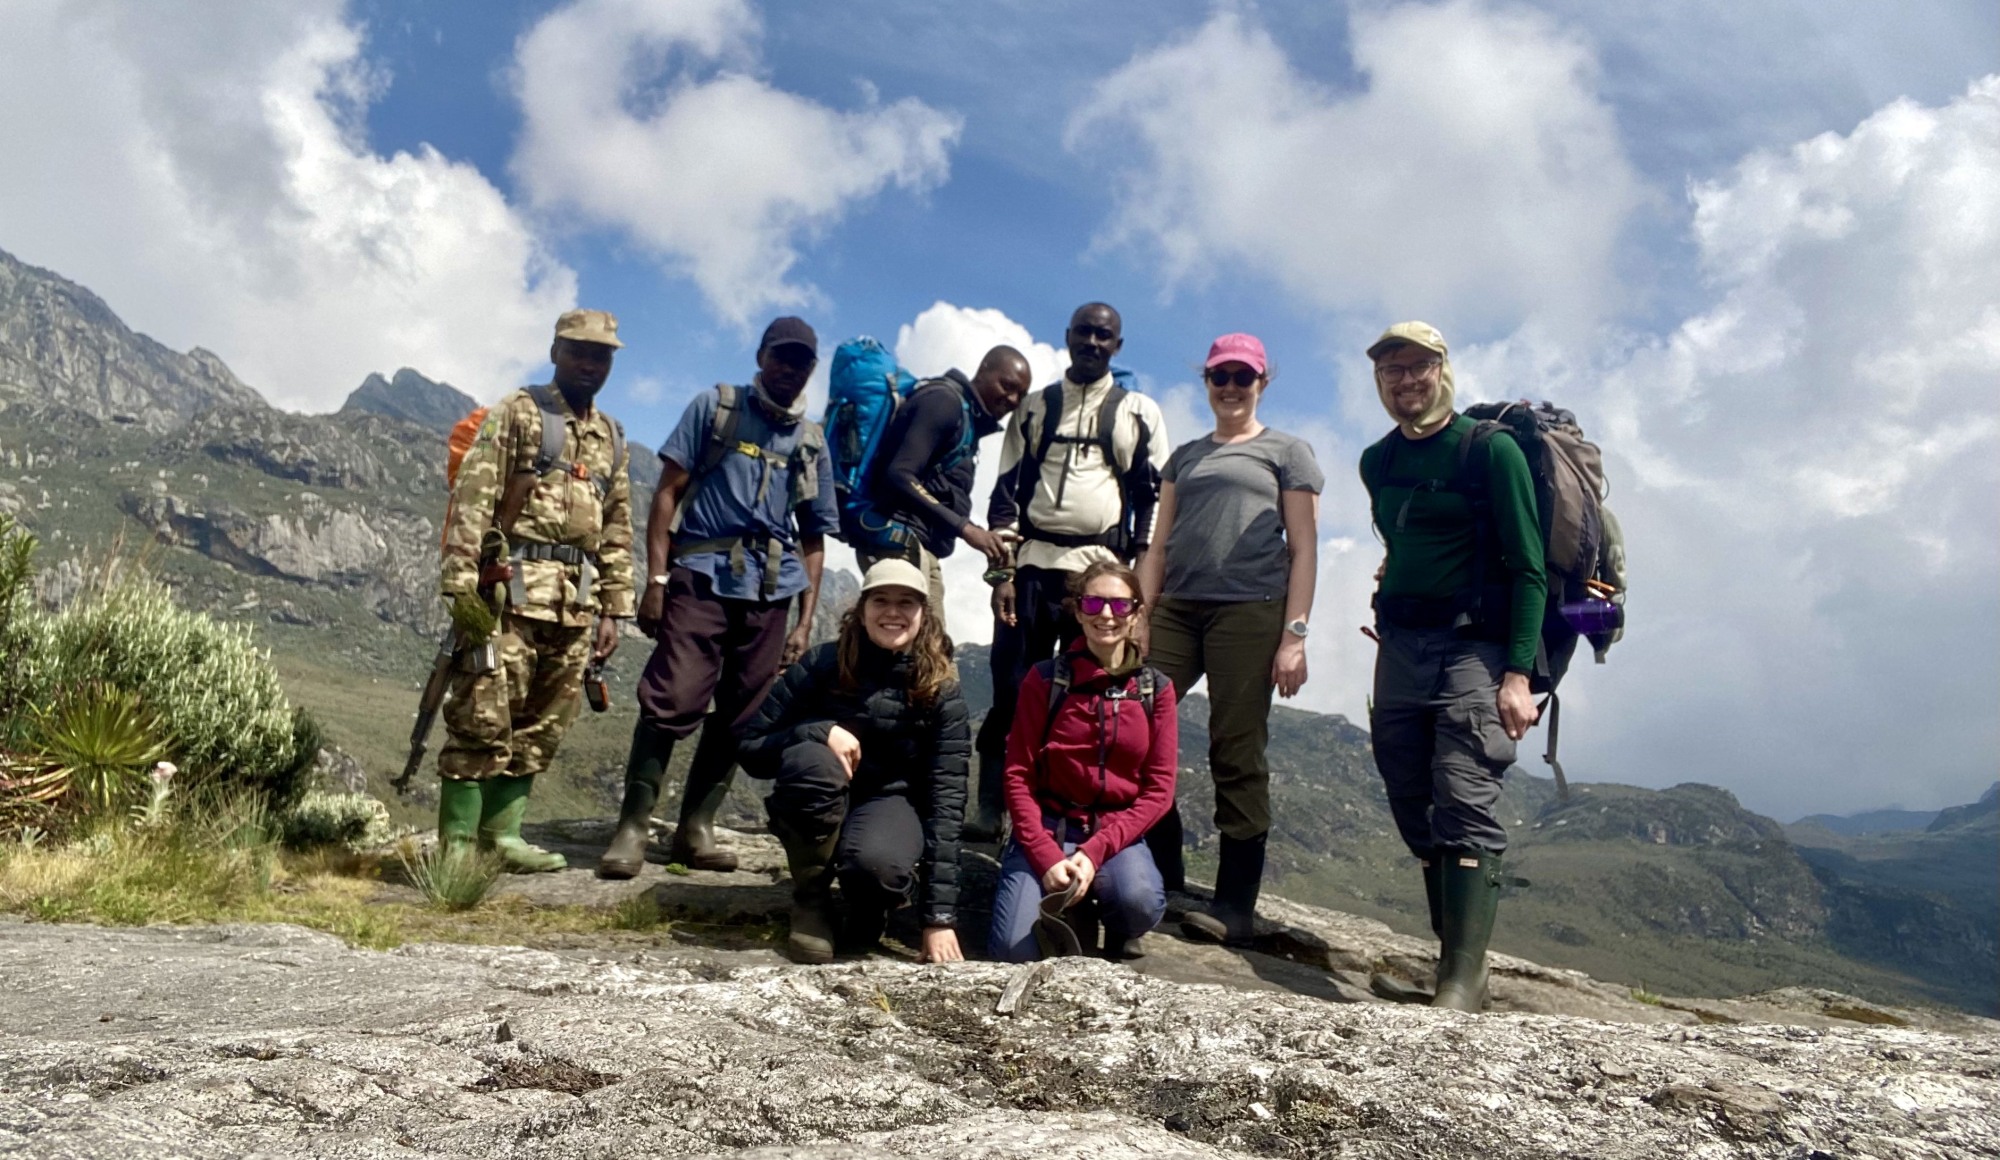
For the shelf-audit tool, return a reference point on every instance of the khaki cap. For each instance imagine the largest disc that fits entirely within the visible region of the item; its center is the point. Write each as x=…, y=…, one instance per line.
x=598, y=326
x=896, y=573
x=1421, y=334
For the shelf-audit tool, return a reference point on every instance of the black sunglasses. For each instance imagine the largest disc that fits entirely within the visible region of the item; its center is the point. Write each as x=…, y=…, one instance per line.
x=1243, y=378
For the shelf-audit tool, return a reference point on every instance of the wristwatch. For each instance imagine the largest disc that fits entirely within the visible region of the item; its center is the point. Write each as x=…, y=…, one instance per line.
x=661, y=581
x=1298, y=628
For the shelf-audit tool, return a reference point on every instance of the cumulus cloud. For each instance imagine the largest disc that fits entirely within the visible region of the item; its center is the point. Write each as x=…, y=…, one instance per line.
x=205, y=170
x=1805, y=471
x=1477, y=175
x=647, y=118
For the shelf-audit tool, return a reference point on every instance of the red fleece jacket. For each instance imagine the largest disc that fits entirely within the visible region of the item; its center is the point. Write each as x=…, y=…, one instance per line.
x=1129, y=790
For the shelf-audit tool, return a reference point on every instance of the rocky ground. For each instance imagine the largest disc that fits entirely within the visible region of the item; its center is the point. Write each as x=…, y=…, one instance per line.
x=274, y=1041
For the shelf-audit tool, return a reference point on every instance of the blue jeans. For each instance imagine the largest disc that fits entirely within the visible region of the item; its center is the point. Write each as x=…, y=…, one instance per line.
x=1130, y=897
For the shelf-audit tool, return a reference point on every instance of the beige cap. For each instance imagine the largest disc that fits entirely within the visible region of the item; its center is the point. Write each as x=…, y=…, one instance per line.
x=1420, y=333
x=598, y=326
x=896, y=573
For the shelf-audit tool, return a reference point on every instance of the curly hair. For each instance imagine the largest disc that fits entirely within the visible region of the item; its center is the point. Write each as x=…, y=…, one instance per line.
x=931, y=665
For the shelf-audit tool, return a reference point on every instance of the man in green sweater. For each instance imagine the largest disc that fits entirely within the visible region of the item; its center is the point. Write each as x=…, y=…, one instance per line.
x=1458, y=609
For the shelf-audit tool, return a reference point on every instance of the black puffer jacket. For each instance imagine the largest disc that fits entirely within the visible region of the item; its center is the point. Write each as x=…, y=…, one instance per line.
x=921, y=754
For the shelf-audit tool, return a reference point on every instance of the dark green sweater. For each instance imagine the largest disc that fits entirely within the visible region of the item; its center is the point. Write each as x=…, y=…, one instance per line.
x=1431, y=555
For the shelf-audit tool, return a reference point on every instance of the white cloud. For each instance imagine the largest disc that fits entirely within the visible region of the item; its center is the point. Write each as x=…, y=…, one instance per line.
x=646, y=117
x=1805, y=472
x=203, y=169
x=1477, y=176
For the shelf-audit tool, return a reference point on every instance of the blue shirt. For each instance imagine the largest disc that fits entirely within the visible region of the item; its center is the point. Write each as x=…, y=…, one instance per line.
x=725, y=504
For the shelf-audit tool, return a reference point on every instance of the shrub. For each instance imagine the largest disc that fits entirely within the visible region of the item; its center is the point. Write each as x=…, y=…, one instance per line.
x=353, y=821
x=98, y=742
x=213, y=691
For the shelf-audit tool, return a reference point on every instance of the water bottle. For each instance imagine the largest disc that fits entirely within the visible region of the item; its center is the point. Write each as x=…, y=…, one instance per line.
x=1592, y=617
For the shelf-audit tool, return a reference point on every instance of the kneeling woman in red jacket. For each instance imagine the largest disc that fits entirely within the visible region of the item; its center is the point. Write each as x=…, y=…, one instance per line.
x=1084, y=787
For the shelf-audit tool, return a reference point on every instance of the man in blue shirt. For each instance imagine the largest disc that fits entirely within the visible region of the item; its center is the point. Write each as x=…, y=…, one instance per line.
x=737, y=530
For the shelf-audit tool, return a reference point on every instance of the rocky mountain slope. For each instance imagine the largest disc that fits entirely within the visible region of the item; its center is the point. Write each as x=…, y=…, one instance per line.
x=272, y=1041
x=320, y=530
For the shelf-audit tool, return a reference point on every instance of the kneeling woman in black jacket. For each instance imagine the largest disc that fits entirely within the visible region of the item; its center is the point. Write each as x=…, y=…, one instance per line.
x=866, y=740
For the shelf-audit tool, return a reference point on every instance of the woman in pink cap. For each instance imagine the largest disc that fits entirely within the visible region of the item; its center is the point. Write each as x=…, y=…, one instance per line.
x=1229, y=581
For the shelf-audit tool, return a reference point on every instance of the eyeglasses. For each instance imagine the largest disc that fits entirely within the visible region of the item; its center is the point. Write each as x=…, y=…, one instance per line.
x=1246, y=377
x=1120, y=606
x=1391, y=372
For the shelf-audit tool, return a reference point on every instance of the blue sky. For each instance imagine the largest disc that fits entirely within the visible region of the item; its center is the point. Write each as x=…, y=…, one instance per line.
x=1754, y=246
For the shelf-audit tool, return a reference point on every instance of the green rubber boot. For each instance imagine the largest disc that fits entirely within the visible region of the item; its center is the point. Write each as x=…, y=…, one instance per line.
x=1398, y=990
x=1469, y=882
x=505, y=802
x=458, y=812
x=811, y=861
x=626, y=855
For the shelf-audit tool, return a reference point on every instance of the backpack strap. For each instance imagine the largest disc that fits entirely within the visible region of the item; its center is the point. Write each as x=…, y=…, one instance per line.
x=721, y=437
x=549, y=458
x=1119, y=536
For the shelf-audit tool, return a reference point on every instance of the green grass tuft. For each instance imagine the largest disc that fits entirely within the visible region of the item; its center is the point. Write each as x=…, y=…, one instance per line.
x=453, y=877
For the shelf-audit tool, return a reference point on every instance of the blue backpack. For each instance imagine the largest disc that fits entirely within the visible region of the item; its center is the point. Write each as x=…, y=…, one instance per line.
x=864, y=388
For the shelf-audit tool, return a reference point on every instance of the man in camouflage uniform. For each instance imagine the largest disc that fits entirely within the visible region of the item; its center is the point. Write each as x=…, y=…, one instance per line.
x=551, y=544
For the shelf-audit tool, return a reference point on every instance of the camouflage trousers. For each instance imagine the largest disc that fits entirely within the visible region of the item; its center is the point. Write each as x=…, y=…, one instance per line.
x=508, y=722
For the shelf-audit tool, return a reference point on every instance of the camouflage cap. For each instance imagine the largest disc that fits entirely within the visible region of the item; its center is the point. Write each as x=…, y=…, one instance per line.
x=598, y=326
x=1421, y=334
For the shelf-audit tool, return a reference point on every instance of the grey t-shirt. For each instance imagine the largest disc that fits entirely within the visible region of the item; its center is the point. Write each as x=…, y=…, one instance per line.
x=1228, y=538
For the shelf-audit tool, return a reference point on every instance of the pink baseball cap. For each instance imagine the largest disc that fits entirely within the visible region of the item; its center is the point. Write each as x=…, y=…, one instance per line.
x=1243, y=348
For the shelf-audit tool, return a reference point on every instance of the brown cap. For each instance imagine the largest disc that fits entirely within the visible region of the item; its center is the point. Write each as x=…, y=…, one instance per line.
x=1421, y=334
x=598, y=326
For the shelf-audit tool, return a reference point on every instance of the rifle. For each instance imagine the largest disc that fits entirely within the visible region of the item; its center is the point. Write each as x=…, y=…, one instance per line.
x=473, y=622
x=427, y=708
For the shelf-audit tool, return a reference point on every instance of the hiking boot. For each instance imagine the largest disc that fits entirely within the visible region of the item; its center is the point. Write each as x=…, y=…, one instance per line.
x=1469, y=893
x=503, y=803
x=693, y=844
x=626, y=855
x=984, y=824
x=1167, y=843
x=1124, y=949
x=458, y=812
x=811, y=860
x=1232, y=918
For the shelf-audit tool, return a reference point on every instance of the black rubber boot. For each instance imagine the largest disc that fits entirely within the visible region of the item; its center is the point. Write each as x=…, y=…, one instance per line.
x=1469, y=882
x=990, y=805
x=644, y=767
x=1232, y=918
x=1393, y=988
x=810, y=857
x=708, y=781
x=1166, y=842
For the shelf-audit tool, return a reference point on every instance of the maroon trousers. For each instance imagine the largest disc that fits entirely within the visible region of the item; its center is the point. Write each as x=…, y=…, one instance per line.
x=710, y=651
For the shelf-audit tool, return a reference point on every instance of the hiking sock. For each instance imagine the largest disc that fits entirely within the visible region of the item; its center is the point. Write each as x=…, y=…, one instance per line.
x=647, y=764
x=810, y=857
x=503, y=803
x=458, y=812
x=707, y=786
x=1470, y=895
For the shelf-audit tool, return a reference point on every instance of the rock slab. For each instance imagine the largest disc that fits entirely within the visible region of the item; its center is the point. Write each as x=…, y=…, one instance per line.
x=274, y=1041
